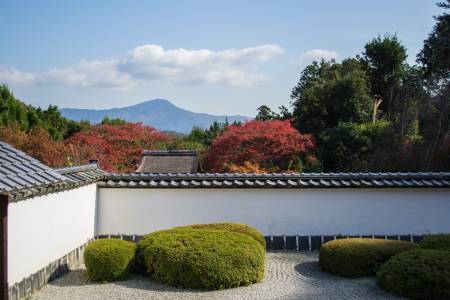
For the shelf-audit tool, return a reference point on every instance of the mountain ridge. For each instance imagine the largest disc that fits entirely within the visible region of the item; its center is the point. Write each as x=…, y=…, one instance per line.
x=159, y=113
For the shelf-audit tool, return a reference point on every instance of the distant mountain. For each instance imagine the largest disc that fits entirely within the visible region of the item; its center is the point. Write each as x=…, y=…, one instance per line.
x=159, y=113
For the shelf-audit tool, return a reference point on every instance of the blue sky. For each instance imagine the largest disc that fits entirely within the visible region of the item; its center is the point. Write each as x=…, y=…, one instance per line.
x=221, y=57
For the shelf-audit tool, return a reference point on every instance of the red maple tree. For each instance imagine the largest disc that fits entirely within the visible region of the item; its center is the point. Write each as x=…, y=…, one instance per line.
x=118, y=148
x=271, y=145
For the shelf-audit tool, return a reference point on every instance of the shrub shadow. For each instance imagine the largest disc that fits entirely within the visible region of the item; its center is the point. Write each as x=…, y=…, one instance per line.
x=78, y=277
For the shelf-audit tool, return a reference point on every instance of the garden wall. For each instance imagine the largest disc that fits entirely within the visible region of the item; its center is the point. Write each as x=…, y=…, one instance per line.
x=415, y=211
x=44, y=229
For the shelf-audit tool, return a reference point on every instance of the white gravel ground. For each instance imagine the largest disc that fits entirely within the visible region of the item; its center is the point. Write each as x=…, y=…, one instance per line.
x=289, y=275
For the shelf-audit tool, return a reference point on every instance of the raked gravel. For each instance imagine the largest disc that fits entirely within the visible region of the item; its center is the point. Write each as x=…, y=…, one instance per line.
x=289, y=275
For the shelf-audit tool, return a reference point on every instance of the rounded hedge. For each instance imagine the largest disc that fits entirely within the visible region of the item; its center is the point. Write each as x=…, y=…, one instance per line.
x=233, y=227
x=417, y=274
x=359, y=257
x=226, y=226
x=437, y=242
x=108, y=259
x=203, y=258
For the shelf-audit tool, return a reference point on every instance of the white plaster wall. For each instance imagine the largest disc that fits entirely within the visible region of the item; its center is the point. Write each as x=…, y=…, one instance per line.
x=44, y=229
x=278, y=211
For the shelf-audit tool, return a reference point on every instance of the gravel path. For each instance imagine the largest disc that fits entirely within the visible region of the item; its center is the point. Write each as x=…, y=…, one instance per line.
x=289, y=275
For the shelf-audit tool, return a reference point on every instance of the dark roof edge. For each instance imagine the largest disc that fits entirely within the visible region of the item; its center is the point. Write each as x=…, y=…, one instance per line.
x=294, y=180
x=362, y=175
x=169, y=152
x=77, y=169
x=76, y=176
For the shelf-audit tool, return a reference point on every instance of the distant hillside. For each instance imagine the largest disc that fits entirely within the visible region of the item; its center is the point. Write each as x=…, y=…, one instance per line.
x=159, y=113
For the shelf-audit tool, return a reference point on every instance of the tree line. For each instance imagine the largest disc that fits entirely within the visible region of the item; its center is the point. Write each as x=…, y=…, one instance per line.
x=376, y=112
x=371, y=112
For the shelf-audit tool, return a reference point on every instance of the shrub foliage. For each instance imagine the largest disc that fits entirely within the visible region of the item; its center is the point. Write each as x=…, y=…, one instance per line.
x=417, y=274
x=233, y=227
x=203, y=258
x=359, y=257
x=438, y=242
x=108, y=259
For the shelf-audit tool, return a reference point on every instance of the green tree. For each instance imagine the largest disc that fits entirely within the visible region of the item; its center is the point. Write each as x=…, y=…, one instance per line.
x=385, y=59
x=265, y=113
x=435, y=55
x=349, y=147
x=114, y=121
x=27, y=117
x=435, y=61
x=329, y=93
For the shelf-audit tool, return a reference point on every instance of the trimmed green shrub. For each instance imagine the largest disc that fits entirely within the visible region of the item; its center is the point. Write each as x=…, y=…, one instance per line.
x=417, y=274
x=437, y=242
x=203, y=258
x=359, y=257
x=227, y=226
x=234, y=227
x=108, y=259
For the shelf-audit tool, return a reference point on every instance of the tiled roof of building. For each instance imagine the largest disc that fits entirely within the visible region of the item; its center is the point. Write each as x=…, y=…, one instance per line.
x=273, y=180
x=19, y=171
x=80, y=175
x=168, y=161
x=22, y=176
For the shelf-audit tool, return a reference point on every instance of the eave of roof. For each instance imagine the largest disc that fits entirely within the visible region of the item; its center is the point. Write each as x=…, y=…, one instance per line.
x=170, y=152
x=277, y=180
x=19, y=171
x=74, y=177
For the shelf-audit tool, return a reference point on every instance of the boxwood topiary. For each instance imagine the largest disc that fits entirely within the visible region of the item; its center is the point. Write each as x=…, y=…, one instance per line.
x=203, y=258
x=437, y=241
x=359, y=257
x=227, y=226
x=108, y=259
x=417, y=274
x=234, y=227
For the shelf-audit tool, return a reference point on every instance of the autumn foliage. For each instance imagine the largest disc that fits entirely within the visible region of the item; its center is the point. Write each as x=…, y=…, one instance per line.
x=260, y=146
x=36, y=143
x=118, y=148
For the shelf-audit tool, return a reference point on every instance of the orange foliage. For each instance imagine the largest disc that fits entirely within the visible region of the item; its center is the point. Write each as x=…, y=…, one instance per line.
x=264, y=145
x=36, y=143
x=247, y=167
x=118, y=148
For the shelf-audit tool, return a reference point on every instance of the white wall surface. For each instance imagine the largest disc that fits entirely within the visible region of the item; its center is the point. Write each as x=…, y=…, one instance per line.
x=278, y=211
x=44, y=229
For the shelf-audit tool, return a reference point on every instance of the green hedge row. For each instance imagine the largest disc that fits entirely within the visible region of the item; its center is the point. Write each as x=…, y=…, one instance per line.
x=204, y=256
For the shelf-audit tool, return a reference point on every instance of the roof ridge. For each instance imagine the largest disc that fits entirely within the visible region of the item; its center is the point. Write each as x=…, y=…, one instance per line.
x=75, y=169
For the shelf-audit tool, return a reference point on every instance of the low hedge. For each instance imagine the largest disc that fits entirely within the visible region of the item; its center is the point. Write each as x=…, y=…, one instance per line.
x=203, y=258
x=233, y=227
x=108, y=259
x=227, y=226
x=437, y=242
x=359, y=257
x=417, y=274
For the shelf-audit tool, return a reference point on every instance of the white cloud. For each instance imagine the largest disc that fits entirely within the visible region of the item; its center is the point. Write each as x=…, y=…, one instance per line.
x=316, y=55
x=14, y=76
x=149, y=63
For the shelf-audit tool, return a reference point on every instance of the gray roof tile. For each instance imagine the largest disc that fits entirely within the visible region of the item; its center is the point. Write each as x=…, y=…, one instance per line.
x=20, y=171
x=279, y=180
x=22, y=176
